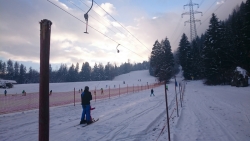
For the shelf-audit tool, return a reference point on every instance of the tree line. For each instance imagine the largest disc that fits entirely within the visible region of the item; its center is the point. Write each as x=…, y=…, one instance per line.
x=14, y=71
x=213, y=56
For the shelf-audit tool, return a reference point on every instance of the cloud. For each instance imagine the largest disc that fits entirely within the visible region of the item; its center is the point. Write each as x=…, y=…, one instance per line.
x=221, y=2
x=108, y=7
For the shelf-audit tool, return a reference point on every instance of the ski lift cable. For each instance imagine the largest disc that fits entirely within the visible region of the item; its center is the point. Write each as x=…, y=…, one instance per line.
x=92, y=27
x=91, y=16
x=121, y=25
x=105, y=21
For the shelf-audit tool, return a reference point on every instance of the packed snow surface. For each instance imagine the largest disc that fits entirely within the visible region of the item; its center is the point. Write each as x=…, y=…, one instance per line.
x=220, y=113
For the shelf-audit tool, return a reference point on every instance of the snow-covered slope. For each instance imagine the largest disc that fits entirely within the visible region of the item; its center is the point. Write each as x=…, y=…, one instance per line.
x=129, y=78
x=220, y=113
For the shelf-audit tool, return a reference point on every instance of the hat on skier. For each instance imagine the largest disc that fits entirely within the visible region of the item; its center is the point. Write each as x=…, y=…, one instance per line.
x=86, y=88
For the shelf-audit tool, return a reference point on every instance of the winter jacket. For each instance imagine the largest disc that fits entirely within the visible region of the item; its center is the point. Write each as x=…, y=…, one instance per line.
x=86, y=97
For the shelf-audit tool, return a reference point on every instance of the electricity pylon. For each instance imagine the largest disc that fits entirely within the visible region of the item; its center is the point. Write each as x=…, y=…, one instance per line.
x=193, y=32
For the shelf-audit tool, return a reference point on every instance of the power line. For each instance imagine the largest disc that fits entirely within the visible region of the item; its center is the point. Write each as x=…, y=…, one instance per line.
x=121, y=25
x=91, y=27
x=174, y=32
x=179, y=34
x=210, y=7
x=201, y=2
x=213, y=12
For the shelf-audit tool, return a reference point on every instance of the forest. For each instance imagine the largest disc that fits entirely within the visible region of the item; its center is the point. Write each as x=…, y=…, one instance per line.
x=213, y=56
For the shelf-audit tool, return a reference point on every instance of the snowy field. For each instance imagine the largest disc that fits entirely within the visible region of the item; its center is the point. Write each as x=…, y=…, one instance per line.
x=130, y=79
x=220, y=113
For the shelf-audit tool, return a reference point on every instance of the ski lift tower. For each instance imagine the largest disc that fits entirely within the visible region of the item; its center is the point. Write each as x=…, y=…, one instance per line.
x=193, y=32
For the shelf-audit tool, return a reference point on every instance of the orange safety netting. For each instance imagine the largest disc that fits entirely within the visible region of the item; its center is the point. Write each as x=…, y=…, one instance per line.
x=17, y=102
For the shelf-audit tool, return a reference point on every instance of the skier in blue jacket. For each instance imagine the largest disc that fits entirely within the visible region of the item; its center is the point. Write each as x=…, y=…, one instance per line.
x=86, y=97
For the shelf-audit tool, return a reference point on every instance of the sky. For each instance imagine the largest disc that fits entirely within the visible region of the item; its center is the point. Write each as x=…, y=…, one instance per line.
x=146, y=21
x=220, y=113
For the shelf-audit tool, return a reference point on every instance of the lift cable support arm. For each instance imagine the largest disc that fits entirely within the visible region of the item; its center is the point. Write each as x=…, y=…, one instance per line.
x=86, y=17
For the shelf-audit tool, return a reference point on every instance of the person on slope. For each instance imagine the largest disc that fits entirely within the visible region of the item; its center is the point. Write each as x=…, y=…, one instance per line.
x=5, y=92
x=86, y=97
x=152, y=92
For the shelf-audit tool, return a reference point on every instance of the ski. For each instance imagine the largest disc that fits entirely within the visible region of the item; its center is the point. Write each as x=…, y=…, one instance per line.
x=79, y=124
x=91, y=123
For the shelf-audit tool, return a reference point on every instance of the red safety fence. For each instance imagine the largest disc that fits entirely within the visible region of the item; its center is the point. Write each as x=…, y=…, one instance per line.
x=17, y=102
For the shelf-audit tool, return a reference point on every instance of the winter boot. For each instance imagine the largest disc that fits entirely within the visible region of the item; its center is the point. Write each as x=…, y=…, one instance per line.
x=82, y=121
x=89, y=122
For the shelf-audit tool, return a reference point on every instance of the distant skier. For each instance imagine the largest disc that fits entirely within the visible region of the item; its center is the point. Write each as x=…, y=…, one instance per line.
x=152, y=92
x=5, y=92
x=86, y=97
x=50, y=93
x=23, y=93
x=101, y=90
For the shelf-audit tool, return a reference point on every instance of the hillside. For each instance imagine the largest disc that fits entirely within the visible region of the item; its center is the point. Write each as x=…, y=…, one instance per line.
x=209, y=113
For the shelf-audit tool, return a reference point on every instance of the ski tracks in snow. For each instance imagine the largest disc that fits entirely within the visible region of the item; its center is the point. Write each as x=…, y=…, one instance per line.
x=133, y=120
x=206, y=117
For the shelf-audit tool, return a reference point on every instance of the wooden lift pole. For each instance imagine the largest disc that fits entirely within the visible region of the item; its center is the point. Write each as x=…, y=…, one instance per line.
x=45, y=28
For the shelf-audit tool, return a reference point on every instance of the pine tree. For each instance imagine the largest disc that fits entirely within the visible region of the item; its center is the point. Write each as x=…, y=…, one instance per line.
x=94, y=73
x=22, y=77
x=30, y=75
x=246, y=35
x=184, y=53
x=212, y=53
x=76, y=72
x=62, y=73
x=162, y=60
x=10, y=69
x=107, y=71
x=155, y=58
x=195, y=60
x=1, y=69
x=101, y=75
x=71, y=74
x=85, y=73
